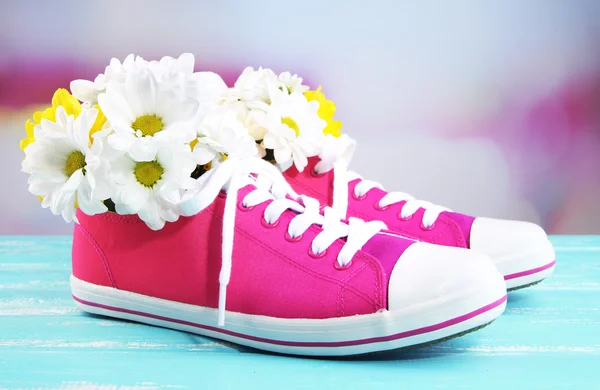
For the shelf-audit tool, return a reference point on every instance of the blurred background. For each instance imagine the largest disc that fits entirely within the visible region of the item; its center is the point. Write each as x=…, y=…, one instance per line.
x=488, y=107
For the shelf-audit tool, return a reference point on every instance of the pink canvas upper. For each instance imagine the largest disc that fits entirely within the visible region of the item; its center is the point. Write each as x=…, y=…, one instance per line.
x=452, y=229
x=271, y=274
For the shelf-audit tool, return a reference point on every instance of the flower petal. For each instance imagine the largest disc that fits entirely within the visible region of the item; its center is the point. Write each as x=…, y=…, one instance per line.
x=115, y=107
x=84, y=90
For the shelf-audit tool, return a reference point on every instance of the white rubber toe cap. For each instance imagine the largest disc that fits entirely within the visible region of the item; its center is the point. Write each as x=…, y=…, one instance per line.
x=514, y=246
x=428, y=274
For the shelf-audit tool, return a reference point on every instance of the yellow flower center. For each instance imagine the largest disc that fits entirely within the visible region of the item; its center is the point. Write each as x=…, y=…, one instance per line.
x=148, y=173
x=148, y=124
x=75, y=161
x=291, y=124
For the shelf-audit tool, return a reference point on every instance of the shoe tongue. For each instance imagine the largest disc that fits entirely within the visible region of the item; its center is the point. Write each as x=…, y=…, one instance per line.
x=387, y=248
x=464, y=222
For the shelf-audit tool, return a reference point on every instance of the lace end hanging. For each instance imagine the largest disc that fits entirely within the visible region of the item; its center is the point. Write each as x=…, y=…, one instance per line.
x=222, y=303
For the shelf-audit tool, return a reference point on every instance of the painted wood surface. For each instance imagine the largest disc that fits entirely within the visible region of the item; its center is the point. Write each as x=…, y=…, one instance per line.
x=548, y=338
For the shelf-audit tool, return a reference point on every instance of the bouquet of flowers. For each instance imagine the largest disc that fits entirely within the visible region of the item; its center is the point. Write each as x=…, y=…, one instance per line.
x=135, y=139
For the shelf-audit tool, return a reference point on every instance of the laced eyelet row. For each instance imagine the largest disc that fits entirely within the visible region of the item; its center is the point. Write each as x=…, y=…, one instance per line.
x=377, y=206
x=421, y=225
x=289, y=238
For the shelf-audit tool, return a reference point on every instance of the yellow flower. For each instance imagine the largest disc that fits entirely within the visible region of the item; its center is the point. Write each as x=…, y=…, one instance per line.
x=61, y=97
x=99, y=123
x=326, y=111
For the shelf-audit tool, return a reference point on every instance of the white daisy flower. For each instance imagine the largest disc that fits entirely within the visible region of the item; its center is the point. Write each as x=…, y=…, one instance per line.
x=178, y=71
x=168, y=66
x=88, y=91
x=152, y=189
x=252, y=87
x=145, y=114
x=291, y=83
x=253, y=120
x=335, y=149
x=205, y=87
x=65, y=170
x=294, y=128
x=222, y=133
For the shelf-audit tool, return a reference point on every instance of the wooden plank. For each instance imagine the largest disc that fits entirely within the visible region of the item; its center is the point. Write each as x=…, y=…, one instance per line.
x=549, y=337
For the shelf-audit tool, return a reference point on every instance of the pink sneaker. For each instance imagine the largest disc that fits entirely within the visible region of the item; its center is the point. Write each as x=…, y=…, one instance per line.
x=180, y=224
x=520, y=250
x=296, y=281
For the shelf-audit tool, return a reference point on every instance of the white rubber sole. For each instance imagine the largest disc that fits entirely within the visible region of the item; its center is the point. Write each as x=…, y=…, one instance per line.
x=525, y=269
x=360, y=334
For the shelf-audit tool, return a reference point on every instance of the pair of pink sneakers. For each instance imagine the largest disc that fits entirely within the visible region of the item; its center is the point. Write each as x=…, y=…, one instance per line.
x=182, y=224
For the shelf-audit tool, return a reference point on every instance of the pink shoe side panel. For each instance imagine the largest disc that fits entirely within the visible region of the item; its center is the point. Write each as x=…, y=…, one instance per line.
x=269, y=277
x=465, y=222
x=89, y=262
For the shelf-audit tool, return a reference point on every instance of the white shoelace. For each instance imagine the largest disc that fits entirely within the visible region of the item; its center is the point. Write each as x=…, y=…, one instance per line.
x=233, y=174
x=338, y=158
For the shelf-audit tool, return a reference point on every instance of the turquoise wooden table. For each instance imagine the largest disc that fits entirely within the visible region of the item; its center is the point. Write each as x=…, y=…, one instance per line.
x=549, y=338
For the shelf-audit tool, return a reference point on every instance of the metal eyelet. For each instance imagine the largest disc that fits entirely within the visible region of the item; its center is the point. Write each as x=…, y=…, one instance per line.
x=241, y=206
x=356, y=197
x=400, y=217
x=339, y=267
x=292, y=239
x=427, y=228
x=316, y=255
x=314, y=173
x=378, y=207
x=268, y=225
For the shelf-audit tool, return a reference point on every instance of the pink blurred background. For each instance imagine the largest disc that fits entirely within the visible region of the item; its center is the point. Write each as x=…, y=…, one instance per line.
x=487, y=107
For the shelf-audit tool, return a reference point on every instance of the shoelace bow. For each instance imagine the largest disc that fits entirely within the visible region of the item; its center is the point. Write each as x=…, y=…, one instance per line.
x=233, y=174
x=338, y=159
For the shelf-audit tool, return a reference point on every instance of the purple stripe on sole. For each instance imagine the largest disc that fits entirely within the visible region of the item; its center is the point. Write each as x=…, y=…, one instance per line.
x=530, y=271
x=396, y=336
